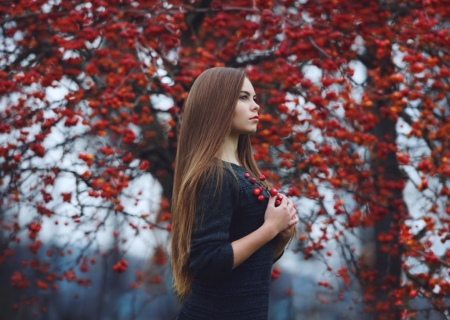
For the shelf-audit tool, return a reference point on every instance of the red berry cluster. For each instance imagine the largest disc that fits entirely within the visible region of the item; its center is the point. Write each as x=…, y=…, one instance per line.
x=275, y=273
x=279, y=197
x=120, y=266
x=258, y=190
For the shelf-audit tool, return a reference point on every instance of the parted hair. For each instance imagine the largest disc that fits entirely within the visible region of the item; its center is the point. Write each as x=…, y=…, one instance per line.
x=206, y=123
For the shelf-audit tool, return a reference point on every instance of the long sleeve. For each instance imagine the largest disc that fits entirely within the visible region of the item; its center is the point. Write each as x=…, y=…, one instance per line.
x=211, y=254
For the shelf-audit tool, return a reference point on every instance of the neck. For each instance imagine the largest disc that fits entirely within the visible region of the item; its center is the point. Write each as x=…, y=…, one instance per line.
x=229, y=149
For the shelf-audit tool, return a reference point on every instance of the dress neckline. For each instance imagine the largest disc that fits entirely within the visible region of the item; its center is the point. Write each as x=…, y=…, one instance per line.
x=234, y=165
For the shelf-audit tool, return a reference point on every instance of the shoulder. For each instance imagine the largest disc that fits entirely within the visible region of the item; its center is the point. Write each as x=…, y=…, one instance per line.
x=219, y=176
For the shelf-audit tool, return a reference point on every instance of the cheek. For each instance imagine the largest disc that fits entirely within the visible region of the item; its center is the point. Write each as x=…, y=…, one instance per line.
x=239, y=117
x=239, y=112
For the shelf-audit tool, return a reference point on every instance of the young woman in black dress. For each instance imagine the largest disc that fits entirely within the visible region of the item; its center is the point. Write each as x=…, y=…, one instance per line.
x=228, y=226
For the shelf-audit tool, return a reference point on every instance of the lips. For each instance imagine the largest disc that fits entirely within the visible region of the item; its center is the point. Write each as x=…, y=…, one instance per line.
x=255, y=118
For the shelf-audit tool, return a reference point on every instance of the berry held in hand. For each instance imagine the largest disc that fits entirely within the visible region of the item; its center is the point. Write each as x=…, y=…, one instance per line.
x=257, y=191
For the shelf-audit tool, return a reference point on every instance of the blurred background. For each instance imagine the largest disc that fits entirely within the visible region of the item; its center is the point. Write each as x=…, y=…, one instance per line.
x=353, y=127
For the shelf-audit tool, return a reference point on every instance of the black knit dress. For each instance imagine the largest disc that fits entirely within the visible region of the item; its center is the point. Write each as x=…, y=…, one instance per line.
x=218, y=291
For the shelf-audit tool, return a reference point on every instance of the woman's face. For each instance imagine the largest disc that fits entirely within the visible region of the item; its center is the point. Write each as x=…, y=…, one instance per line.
x=245, y=117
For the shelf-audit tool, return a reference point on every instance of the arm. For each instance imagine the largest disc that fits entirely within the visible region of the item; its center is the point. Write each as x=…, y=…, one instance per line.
x=246, y=246
x=276, y=219
x=212, y=256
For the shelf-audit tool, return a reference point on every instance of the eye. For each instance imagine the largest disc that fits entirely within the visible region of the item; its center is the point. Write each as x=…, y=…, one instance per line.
x=243, y=97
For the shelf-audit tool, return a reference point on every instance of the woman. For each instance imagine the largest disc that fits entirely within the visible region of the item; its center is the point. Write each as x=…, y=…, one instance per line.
x=225, y=234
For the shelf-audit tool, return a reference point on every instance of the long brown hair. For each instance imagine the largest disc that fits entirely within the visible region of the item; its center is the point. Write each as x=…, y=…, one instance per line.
x=205, y=125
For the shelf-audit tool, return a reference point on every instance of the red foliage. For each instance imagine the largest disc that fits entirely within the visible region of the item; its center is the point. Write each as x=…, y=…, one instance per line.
x=325, y=137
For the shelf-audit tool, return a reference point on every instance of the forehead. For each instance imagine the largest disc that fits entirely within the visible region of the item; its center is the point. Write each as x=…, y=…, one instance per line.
x=247, y=86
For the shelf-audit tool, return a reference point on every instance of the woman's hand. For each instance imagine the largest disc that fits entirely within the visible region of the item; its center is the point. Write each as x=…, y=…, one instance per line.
x=281, y=217
x=287, y=233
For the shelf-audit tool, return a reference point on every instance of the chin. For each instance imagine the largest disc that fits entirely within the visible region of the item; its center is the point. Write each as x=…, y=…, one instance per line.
x=250, y=131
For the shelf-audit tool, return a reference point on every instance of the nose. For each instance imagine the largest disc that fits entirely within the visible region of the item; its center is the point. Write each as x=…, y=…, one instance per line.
x=255, y=106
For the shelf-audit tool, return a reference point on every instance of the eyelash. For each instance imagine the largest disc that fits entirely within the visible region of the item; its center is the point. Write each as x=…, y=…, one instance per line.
x=246, y=98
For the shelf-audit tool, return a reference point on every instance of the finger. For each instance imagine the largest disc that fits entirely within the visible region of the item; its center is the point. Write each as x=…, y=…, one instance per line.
x=294, y=207
x=287, y=230
x=271, y=201
x=293, y=212
x=290, y=205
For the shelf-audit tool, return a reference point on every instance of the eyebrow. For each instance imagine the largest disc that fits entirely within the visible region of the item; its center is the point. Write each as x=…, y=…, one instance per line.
x=246, y=92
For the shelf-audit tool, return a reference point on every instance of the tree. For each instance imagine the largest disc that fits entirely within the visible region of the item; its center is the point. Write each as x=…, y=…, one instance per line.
x=353, y=123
